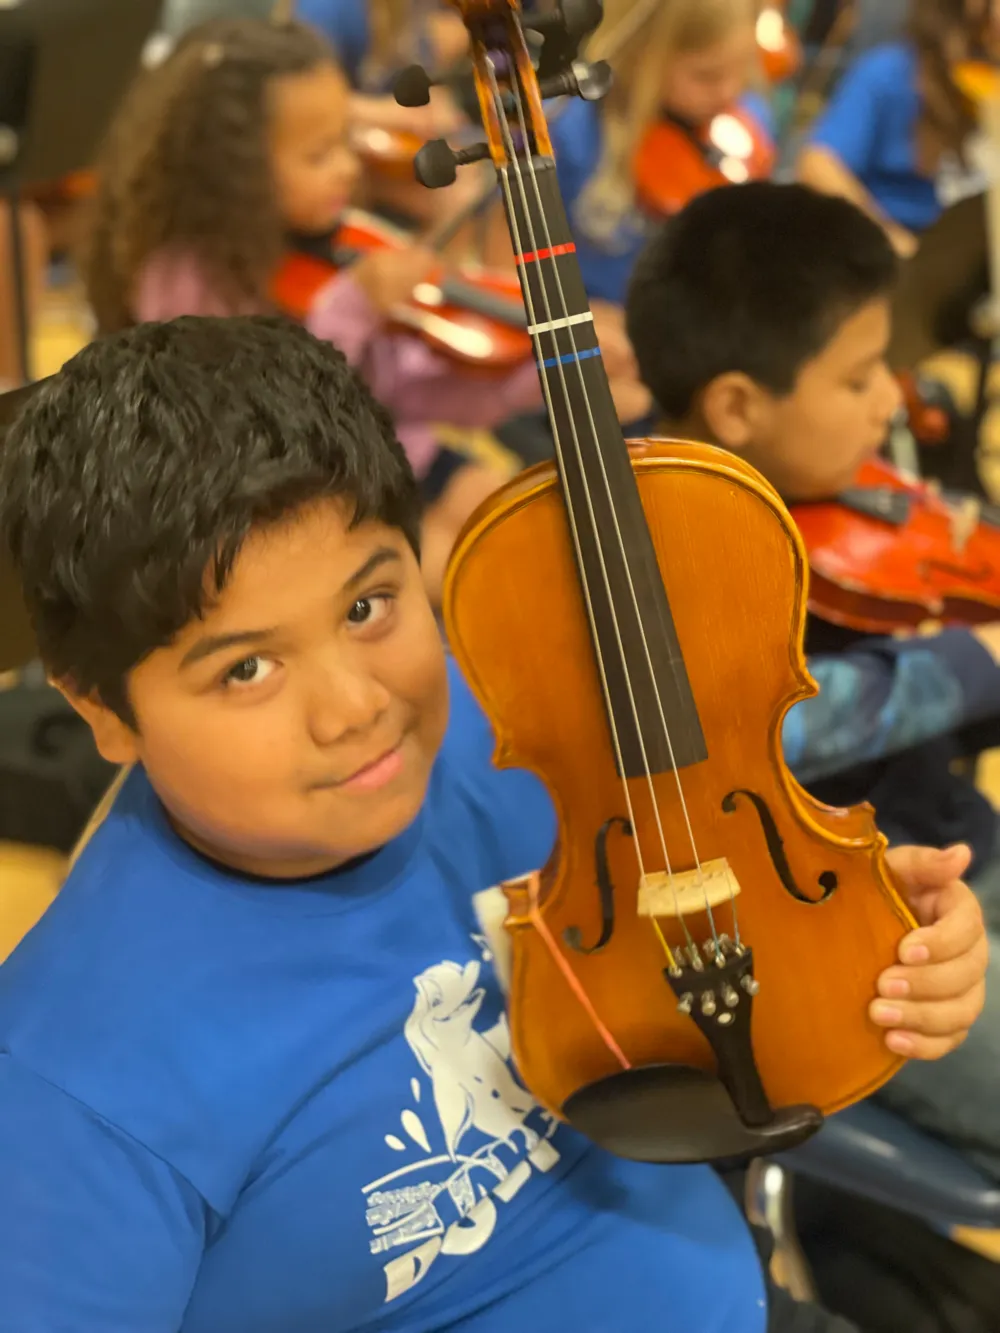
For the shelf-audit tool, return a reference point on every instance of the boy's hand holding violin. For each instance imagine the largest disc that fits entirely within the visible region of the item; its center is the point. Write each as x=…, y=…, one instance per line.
x=932, y=997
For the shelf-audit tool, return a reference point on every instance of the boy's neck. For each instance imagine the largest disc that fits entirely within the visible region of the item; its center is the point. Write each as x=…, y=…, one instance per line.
x=690, y=427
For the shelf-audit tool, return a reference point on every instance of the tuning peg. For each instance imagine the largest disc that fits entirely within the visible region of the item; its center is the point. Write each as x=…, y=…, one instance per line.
x=412, y=86
x=582, y=79
x=437, y=163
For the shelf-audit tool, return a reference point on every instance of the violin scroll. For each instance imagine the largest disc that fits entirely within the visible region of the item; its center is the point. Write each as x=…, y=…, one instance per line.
x=557, y=72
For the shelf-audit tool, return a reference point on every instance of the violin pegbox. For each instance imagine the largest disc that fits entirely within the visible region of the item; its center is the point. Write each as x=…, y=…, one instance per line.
x=511, y=82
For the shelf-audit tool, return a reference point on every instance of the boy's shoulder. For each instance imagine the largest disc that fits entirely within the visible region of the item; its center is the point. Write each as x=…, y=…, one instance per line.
x=503, y=820
x=148, y=946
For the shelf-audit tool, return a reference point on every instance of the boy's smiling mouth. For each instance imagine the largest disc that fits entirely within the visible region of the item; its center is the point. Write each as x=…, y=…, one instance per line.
x=371, y=776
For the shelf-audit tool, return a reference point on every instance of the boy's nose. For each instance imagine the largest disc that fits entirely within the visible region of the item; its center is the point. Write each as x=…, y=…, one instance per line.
x=343, y=703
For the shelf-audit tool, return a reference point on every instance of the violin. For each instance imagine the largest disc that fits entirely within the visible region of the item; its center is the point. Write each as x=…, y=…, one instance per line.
x=675, y=161
x=778, y=44
x=471, y=314
x=691, y=970
x=891, y=553
x=388, y=153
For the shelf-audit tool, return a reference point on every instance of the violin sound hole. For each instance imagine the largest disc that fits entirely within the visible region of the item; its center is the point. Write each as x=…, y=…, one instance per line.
x=827, y=881
x=572, y=935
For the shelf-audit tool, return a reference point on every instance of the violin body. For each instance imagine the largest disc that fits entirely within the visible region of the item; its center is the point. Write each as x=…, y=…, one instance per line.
x=735, y=575
x=674, y=163
x=691, y=971
x=473, y=315
x=891, y=554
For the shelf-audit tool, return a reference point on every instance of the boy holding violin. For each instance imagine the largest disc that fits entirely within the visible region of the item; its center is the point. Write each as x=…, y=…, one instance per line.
x=255, y=1071
x=760, y=318
x=254, y=1063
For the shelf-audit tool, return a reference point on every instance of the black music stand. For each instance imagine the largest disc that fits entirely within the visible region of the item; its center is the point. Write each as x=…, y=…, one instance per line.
x=64, y=65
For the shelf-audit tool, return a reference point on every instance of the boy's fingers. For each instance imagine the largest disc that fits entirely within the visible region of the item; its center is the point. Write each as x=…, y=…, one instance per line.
x=930, y=1018
x=936, y=981
x=956, y=931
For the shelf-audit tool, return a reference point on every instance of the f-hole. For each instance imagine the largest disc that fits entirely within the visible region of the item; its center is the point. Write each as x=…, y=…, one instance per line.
x=827, y=881
x=572, y=935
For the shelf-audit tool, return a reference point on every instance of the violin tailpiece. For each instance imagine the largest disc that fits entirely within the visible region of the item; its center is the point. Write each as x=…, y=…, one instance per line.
x=718, y=994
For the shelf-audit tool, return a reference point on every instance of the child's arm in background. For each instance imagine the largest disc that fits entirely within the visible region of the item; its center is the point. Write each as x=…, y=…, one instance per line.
x=416, y=383
x=886, y=695
x=842, y=143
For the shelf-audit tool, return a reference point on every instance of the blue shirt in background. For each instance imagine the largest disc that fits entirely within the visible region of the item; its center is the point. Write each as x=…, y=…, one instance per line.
x=230, y=1105
x=344, y=23
x=870, y=123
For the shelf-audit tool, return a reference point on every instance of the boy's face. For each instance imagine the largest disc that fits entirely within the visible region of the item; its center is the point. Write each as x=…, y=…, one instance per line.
x=810, y=443
x=294, y=726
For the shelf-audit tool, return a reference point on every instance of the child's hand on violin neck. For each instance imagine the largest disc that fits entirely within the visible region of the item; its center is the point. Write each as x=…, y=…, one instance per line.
x=616, y=349
x=388, y=277
x=633, y=401
x=931, y=999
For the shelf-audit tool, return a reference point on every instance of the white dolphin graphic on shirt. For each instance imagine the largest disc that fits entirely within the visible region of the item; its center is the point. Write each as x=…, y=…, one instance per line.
x=472, y=1083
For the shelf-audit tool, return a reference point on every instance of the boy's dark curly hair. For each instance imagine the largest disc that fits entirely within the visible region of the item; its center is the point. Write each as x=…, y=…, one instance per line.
x=186, y=165
x=132, y=477
x=756, y=278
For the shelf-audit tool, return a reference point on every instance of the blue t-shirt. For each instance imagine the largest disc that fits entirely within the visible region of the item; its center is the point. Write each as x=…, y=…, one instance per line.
x=236, y=1106
x=344, y=23
x=577, y=134
x=870, y=123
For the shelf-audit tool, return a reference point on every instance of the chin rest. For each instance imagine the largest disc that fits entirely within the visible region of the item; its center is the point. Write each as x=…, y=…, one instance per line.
x=675, y=1113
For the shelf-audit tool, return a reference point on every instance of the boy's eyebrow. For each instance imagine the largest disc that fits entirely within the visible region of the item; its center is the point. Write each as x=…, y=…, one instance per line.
x=216, y=643
x=382, y=556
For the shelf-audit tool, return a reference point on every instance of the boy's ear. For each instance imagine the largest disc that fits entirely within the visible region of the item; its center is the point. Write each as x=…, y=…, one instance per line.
x=732, y=406
x=115, y=739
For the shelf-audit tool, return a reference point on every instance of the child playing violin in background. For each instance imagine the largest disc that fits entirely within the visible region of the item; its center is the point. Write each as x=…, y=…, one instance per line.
x=760, y=319
x=373, y=41
x=237, y=141
x=893, y=136
x=685, y=59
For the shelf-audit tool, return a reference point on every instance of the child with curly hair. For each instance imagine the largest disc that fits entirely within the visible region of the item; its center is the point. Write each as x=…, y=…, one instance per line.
x=235, y=143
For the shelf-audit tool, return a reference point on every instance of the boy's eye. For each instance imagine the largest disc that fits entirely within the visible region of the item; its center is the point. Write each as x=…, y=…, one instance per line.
x=251, y=671
x=369, y=610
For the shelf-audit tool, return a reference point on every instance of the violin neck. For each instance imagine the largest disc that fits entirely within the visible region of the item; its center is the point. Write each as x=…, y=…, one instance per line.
x=631, y=622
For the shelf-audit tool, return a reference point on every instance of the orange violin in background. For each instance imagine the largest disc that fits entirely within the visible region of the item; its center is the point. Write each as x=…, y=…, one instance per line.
x=889, y=554
x=471, y=314
x=778, y=44
x=674, y=163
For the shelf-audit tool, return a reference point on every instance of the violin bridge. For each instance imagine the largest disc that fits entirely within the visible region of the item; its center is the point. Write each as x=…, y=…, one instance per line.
x=686, y=892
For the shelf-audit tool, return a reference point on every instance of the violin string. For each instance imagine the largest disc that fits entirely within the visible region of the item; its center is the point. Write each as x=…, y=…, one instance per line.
x=519, y=105
x=533, y=240
x=518, y=102
x=571, y=513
